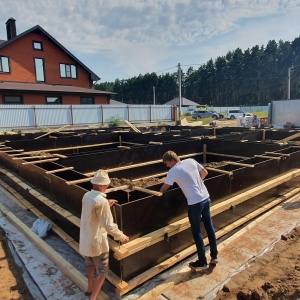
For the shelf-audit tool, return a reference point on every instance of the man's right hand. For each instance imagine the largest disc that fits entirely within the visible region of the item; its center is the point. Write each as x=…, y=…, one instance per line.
x=125, y=239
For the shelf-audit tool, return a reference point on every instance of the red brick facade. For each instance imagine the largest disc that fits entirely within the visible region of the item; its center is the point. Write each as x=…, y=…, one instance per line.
x=22, y=69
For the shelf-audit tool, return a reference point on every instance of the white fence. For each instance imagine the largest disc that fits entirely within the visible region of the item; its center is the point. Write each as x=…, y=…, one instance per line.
x=19, y=116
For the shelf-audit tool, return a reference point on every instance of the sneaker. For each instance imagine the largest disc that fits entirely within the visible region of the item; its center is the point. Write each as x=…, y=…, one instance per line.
x=214, y=261
x=196, y=265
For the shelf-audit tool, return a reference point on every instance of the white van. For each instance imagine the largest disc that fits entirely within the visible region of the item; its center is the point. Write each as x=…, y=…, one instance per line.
x=234, y=113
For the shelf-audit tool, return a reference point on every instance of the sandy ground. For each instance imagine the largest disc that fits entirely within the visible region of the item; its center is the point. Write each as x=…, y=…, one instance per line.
x=12, y=283
x=275, y=275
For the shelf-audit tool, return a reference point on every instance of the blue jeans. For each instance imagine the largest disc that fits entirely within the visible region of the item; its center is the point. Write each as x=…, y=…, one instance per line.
x=195, y=212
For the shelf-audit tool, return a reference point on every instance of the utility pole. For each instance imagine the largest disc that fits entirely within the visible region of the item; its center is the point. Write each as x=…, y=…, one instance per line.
x=179, y=88
x=153, y=95
x=289, y=83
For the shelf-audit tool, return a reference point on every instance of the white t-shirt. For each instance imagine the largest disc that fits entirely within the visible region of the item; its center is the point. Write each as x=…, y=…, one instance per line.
x=186, y=174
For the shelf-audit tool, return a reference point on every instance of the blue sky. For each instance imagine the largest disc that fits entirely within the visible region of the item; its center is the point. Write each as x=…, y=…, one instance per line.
x=125, y=38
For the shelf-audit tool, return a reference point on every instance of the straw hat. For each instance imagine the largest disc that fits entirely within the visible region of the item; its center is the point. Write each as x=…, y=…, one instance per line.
x=100, y=178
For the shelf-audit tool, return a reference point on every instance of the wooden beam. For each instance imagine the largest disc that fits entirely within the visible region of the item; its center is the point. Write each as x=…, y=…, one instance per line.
x=151, y=176
x=184, y=272
x=250, y=193
x=228, y=155
x=59, y=170
x=277, y=153
x=141, y=164
x=72, y=273
x=64, y=149
x=55, y=130
x=155, y=193
x=219, y=171
x=33, y=156
x=117, y=188
x=155, y=143
x=40, y=161
x=60, y=155
x=268, y=157
x=240, y=164
x=72, y=182
x=291, y=137
x=132, y=126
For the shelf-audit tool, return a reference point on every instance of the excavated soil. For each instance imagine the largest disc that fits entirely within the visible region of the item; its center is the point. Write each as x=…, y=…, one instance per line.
x=273, y=276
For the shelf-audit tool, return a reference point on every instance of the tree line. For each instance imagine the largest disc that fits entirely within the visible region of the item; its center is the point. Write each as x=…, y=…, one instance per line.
x=255, y=76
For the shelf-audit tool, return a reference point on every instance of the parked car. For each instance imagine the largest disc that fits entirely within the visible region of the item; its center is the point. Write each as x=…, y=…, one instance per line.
x=189, y=112
x=234, y=113
x=221, y=116
x=204, y=114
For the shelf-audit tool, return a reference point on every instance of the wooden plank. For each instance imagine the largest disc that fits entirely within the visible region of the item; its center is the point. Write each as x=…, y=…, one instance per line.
x=228, y=155
x=141, y=164
x=132, y=126
x=72, y=273
x=12, y=151
x=240, y=164
x=29, y=157
x=66, y=148
x=72, y=182
x=186, y=271
x=294, y=136
x=151, y=176
x=155, y=193
x=59, y=170
x=219, y=171
x=270, y=157
x=277, y=153
x=117, y=188
x=218, y=208
x=55, y=130
x=60, y=155
x=40, y=161
x=155, y=143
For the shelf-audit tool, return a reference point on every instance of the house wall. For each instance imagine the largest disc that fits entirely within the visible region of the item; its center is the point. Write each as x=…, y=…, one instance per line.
x=40, y=98
x=21, y=57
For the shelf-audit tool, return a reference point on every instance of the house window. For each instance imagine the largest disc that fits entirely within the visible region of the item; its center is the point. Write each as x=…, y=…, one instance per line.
x=37, y=45
x=12, y=100
x=39, y=69
x=86, y=100
x=53, y=100
x=68, y=71
x=4, y=64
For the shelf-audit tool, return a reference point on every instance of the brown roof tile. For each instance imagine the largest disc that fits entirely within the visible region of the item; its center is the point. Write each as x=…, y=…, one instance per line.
x=38, y=87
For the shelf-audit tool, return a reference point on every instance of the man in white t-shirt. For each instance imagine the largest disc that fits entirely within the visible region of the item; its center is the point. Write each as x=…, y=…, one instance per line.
x=243, y=121
x=95, y=222
x=189, y=175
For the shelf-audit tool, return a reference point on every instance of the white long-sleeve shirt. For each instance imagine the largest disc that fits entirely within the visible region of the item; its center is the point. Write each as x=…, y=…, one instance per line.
x=96, y=221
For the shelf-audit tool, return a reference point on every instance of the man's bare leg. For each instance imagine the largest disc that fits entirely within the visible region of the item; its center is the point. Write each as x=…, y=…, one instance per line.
x=98, y=282
x=91, y=272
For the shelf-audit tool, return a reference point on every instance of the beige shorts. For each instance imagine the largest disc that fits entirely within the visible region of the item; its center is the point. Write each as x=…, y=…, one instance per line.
x=100, y=262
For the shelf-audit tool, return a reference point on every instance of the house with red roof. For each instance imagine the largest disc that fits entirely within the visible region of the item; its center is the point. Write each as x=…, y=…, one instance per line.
x=36, y=69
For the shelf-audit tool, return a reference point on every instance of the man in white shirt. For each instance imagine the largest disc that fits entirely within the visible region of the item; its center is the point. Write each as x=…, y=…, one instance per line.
x=243, y=121
x=189, y=175
x=95, y=222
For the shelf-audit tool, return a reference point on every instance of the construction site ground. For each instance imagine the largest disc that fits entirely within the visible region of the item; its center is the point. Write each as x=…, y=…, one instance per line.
x=258, y=261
